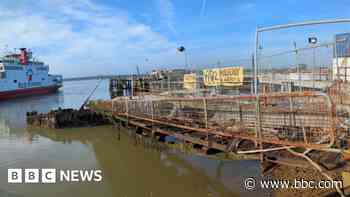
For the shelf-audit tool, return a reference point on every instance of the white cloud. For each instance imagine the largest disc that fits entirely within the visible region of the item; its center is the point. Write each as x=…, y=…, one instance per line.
x=81, y=37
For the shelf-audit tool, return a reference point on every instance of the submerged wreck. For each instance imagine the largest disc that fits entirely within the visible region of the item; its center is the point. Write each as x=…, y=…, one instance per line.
x=66, y=118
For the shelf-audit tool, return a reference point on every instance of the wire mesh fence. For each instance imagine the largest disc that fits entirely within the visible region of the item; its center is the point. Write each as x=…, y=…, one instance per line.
x=298, y=69
x=301, y=118
x=308, y=68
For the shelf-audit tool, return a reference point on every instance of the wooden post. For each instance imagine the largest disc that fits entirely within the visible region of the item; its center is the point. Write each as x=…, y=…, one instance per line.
x=152, y=124
x=168, y=78
x=112, y=107
x=240, y=112
x=205, y=112
x=119, y=129
x=233, y=112
x=206, y=118
x=127, y=112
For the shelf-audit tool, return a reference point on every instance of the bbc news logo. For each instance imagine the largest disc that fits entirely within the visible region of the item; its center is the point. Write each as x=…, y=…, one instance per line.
x=52, y=175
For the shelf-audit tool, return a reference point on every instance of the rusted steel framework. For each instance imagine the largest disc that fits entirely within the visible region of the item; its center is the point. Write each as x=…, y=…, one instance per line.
x=299, y=119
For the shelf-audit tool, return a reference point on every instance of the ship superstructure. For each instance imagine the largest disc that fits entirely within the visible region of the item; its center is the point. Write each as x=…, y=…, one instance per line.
x=22, y=75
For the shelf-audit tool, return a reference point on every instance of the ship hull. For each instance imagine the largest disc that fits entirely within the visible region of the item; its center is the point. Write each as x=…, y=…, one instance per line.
x=25, y=92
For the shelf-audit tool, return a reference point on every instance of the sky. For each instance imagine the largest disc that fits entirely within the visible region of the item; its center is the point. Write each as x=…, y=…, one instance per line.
x=93, y=37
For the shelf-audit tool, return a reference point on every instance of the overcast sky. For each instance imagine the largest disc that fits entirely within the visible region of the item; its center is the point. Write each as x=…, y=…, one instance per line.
x=90, y=37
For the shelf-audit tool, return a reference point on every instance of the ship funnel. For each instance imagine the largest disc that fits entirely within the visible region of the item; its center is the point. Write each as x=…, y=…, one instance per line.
x=24, y=56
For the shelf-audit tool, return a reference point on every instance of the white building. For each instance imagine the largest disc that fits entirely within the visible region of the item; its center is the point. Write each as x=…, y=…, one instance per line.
x=341, y=58
x=341, y=65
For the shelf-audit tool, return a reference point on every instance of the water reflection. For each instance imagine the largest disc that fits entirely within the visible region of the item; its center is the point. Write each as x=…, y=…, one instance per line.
x=134, y=171
x=4, y=128
x=13, y=112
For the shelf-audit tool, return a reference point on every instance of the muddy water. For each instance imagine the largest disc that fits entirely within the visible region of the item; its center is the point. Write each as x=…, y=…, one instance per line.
x=128, y=170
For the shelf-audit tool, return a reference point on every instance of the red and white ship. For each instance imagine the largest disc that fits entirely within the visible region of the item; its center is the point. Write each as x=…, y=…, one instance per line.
x=21, y=75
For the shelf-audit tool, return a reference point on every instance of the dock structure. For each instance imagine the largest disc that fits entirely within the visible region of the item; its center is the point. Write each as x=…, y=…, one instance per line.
x=305, y=129
x=306, y=119
x=302, y=119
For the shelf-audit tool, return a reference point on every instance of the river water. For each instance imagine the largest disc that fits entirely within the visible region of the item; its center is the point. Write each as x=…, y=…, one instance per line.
x=128, y=170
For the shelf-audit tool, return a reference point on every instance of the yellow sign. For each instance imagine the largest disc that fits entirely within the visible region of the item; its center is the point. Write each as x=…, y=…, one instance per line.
x=190, y=81
x=346, y=179
x=230, y=76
